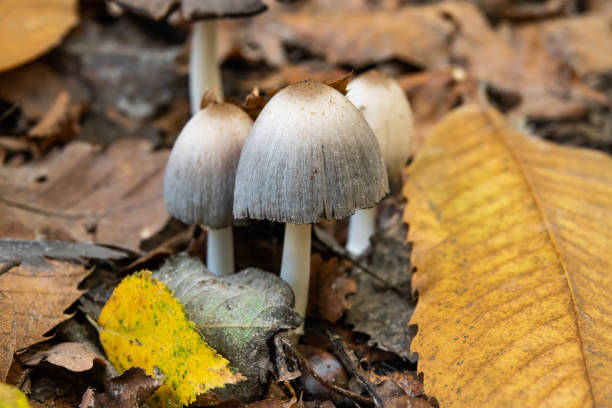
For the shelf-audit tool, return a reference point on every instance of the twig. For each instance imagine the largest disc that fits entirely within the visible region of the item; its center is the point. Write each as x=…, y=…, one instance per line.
x=346, y=360
x=346, y=393
x=10, y=264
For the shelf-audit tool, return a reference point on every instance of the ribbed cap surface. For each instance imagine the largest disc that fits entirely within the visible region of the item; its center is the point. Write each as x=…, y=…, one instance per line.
x=201, y=170
x=310, y=155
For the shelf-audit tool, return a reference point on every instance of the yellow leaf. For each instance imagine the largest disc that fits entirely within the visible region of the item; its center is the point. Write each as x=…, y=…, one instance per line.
x=143, y=325
x=513, y=250
x=11, y=397
x=28, y=28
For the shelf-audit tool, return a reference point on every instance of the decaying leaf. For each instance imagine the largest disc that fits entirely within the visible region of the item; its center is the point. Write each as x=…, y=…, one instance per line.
x=128, y=390
x=329, y=289
x=8, y=335
x=72, y=356
x=28, y=28
x=12, y=397
x=236, y=314
x=83, y=194
x=511, y=241
x=39, y=295
x=33, y=253
x=382, y=310
x=143, y=325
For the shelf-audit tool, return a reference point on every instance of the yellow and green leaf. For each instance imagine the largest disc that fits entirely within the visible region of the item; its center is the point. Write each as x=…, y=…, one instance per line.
x=143, y=325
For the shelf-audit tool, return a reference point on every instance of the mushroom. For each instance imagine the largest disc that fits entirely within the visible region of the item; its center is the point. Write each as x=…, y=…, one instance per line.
x=204, y=71
x=310, y=155
x=200, y=174
x=387, y=110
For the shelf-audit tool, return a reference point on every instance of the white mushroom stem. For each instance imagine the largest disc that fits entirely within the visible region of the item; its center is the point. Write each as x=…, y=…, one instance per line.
x=203, y=69
x=295, y=267
x=362, y=226
x=220, y=251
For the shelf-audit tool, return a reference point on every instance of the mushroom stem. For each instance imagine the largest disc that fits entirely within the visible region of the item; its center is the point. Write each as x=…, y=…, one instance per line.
x=204, y=71
x=220, y=251
x=295, y=267
x=362, y=226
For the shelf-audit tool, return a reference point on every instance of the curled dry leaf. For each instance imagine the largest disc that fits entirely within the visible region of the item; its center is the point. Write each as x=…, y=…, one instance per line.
x=28, y=28
x=72, y=356
x=8, y=335
x=330, y=289
x=511, y=241
x=128, y=390
x=39, y=296
x=83, y=194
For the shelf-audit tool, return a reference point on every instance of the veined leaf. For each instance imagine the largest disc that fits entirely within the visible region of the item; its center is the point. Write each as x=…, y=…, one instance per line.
x=513, y=249
x=143, y=325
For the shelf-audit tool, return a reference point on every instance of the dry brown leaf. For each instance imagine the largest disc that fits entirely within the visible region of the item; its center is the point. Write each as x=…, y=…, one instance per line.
x=438, y=36
x=72, y=356
x=581, y=42
x=39, y=296
x=8, y=335
x=59, y=124
x=29, y=28
x=329, y=289
x=128, y=390
x=83, y=194
x=511, y=241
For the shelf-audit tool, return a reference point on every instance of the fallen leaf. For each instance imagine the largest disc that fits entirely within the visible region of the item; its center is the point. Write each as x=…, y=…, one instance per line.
x=33, y=253
x=143, y=325
x=439, y=36
x=382, y=307
x=329, y=289
x=83, y=194
x=39, y=296
x=128, y=390
x=59, y=124
x=583, y=42
x=326, y=366
x=194, y=9
x=29, y=28
x=72, y=356
x=236, y=314
x=12, y=397
x=8, y=335
x=509, y=239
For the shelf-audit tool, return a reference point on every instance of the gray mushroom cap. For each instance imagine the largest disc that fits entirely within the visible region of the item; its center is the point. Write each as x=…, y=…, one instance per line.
x=192, y=10
x=201, y=170
x=310, y=155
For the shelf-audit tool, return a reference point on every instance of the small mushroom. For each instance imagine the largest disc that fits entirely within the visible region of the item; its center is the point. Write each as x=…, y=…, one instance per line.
x=310, y=155
x=204, y=71
x=199, y=180
x=387, y=110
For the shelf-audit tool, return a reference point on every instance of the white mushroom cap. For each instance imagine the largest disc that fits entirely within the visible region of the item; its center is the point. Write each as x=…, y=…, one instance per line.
x=310, y=155
x=387, y=110
x=201, y=170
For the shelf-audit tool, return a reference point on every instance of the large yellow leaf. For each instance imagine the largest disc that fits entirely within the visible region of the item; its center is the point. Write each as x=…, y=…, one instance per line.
x=29, y=28
x=513, y=248
x=143, y=325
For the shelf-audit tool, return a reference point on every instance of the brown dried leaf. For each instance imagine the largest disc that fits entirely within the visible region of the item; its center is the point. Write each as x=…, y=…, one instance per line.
x=72, y=356
x=40, y=295
x=435, y=37
x=59, y=124
x=28, y=28
x=83, y=194
x=194, y=9
x=128, y=390
x=8, y=335
x=329, y=289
